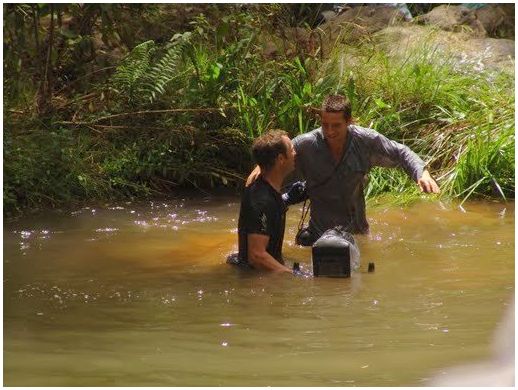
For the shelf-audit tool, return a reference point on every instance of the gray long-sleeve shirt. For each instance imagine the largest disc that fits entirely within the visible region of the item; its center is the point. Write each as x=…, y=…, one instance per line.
x=340, y=200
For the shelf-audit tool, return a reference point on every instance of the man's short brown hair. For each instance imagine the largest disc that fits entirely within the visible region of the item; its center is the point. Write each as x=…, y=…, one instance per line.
x=337, y=103
x=267, y=147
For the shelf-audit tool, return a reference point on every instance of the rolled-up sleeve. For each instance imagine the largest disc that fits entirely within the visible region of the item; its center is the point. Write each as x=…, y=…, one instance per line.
x=391, y=154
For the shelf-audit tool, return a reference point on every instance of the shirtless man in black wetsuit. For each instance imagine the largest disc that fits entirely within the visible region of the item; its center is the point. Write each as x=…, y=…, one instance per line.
x=263, y=208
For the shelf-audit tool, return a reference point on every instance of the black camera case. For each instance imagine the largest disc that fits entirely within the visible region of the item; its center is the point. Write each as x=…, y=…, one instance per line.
x=335, y=254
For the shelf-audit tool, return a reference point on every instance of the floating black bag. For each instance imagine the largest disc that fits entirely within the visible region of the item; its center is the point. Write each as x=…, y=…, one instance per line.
x=335, y=254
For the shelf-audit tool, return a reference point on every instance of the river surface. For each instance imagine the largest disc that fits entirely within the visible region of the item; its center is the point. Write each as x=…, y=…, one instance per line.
x=138, y=294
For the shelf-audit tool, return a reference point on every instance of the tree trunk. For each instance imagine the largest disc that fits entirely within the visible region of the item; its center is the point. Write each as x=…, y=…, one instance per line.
x=46, y=87
x=36, y=26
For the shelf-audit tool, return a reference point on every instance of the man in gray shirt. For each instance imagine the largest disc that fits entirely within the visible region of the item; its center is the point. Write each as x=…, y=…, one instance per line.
x=335, y=160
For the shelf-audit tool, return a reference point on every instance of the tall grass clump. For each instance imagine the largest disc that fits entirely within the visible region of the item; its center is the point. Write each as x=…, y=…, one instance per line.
x=461, y=122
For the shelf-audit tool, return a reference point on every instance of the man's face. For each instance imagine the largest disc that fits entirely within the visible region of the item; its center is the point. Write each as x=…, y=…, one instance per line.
x=288, y=161
x=334, y=126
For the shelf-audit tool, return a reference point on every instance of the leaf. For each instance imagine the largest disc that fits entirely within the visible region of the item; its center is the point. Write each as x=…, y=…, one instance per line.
x=459, y=115
x=381, y=104
x=306, y=90
x=214, y=71
x=222, y=30
x=68, y=33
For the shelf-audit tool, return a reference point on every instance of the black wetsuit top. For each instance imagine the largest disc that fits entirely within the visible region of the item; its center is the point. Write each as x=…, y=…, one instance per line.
x=262, y=212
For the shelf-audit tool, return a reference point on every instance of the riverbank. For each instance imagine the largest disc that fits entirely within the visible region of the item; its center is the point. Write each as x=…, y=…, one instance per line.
x=179, y=108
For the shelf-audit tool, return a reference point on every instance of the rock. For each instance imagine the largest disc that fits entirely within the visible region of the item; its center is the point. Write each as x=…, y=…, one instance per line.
x=508, y=26
x=461, y=34
x=329, y=15
x=359, y=22
x=467, y=52
x=453, y=18
x=497, y=371
x=491, y=51
x=492, y=16
x=292, y=42
x=493, y=20
x=497, y=19
x=508, y=8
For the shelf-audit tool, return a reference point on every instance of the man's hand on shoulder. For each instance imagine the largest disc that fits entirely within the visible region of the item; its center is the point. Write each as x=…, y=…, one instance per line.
x=427, y=184
x=253, y=176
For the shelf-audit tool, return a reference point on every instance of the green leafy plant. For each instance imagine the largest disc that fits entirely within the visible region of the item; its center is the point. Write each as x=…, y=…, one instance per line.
x=142, y=77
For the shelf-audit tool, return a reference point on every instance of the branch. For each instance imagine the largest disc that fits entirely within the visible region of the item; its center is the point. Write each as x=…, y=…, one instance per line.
x=125, y=114
x=34, y=9
x=83, y=77
x=310, y=110
x=114, y=127
x=45, y=91
x=16, y=112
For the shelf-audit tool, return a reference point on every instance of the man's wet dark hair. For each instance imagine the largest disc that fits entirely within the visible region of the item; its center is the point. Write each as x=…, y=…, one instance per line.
x=267, y=147
x=337, y=103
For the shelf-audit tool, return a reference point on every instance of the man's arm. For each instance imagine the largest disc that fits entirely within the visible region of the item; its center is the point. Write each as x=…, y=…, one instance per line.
x=390, y=154
x=253, y=175
x=259, y=257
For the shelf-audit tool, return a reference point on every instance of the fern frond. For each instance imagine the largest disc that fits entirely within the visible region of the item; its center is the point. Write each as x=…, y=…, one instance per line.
x=129, y=75
x=165, y=71
x=141, y=78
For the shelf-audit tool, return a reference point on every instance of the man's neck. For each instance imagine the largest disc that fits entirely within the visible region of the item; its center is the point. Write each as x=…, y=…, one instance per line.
x=337, y=148
x=274, y=178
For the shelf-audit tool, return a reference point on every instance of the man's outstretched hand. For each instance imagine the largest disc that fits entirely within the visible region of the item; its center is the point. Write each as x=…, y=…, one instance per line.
x=427, y=184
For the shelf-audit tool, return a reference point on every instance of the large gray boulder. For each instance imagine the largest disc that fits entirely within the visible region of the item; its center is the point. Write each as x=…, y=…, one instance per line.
x=498, y=370
x=497, y=20
x=493, y=20
x=453, y=18
x=359, y=23
x=465, y=51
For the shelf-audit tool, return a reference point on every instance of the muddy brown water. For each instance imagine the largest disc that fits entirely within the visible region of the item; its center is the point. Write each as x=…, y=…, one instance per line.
x=139, y=294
